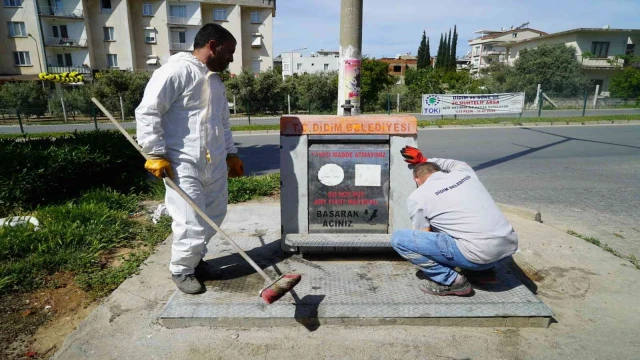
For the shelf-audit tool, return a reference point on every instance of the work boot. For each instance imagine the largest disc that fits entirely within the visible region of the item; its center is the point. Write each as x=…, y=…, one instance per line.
x=188, y=284
x=460, y=286
x=205, y=271
x=481, y=277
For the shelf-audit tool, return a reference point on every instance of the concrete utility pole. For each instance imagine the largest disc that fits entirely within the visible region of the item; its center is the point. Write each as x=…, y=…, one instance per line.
x=350, y=55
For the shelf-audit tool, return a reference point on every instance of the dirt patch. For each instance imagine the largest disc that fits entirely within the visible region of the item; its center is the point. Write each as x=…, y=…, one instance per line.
x=38, y=322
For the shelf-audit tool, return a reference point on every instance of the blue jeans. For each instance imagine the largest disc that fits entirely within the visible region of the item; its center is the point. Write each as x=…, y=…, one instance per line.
x=435, y=253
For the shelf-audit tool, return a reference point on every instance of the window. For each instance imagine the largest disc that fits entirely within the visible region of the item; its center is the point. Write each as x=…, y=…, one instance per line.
x=112, y=60
x=326, y=67
x=397, y=68
x=64, y=60
x=105, y=6
x=17, y=29
x=109, y=34
x=14, y=3
x=256, y=41
x=285, y=66
x=255, y=17
x=147, y=9
x=179, y=37
x=220, y=14
x=255, y=65
x=515, y=35
x=600, y=49
x=178, y=11
x=150, y=36
x=298, y=66
x=21, y=58
x=60, y=31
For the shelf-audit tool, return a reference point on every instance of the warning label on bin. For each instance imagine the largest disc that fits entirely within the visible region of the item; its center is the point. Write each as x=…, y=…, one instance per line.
x=359, y=202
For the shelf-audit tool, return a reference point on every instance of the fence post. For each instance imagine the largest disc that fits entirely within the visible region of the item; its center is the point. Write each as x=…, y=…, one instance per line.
x=235, y=107
x=64, y=109
x=595, y=97
x=540, y=101
x=584, y=106
x=398, y=103
x=249, y=110
x=289, y=104
x=388, y=104
x=20, y=120
x=94, y=115
x=122, y=108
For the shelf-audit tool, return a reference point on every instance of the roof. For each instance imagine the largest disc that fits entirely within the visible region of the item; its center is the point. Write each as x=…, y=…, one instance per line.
x=498, y=34
x=578, y=30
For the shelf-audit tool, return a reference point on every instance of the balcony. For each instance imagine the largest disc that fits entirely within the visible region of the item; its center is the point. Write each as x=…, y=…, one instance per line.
x=493, y=53
x=600, y=63
x=62, y=69
x=59, y=12
x=66, y=42
x=181, y=46
x=184, y=21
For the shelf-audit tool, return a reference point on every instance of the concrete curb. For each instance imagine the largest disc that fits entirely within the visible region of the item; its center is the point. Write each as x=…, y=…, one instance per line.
x=525, y=213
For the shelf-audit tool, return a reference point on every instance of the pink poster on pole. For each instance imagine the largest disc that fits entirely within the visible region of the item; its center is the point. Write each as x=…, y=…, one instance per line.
x=352, y=81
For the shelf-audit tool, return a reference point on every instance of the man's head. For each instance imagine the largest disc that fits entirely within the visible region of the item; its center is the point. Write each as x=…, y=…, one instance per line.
x=214, y=46
x=423, y=170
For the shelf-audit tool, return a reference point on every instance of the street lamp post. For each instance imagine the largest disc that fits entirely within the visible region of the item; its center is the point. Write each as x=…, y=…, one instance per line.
x=39, y=61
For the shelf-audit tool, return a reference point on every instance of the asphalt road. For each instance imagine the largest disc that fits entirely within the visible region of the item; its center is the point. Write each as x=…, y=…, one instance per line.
x=582, y=178
x=271, y=120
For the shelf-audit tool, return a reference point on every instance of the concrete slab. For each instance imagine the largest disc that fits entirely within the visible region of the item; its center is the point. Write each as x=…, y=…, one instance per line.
x=335, y=290
x=597, y=314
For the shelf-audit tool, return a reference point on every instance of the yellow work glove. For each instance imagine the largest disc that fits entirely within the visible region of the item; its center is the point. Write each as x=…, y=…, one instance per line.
x=235, y=166
x=159, y=167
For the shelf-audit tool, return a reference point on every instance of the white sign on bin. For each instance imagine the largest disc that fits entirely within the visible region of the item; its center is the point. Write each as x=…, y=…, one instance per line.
x=470, y=104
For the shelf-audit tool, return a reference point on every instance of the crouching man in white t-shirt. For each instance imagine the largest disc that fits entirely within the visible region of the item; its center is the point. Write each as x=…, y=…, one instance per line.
x=455, y=223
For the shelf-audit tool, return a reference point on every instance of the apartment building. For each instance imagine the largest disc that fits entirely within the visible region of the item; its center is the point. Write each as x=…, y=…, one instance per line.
x=489, y=46
x=596, y=50
x=319, y=61
x=89, y=35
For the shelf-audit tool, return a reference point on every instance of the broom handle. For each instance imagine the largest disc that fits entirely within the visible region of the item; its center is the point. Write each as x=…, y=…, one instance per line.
x=183, y=194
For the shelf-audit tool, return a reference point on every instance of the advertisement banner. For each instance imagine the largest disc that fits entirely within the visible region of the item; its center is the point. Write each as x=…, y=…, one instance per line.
x=352, y=81
x=470, y=104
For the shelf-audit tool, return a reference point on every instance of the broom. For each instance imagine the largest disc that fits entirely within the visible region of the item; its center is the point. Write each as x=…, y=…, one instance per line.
x=275, y=289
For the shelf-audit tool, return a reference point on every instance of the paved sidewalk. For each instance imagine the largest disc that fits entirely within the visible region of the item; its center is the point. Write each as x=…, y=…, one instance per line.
x=589, y=290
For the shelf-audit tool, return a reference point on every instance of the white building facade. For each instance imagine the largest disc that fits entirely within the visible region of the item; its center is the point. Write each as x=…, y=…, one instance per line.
x=320, y=61
x=58, y=36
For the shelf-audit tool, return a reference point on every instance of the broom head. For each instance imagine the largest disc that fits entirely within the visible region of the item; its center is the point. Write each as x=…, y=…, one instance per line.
x=279, y=288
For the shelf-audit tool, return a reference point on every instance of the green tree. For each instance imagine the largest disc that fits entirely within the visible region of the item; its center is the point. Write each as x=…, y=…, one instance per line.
x=626, y=84
x=244, y=87
x=428, y=54
x=375, y=80
x=423, y=61
x=318, y=91
x=113, y=84
x=271, y=92
x=447, y=52
x=28, y=96
x=554, y=66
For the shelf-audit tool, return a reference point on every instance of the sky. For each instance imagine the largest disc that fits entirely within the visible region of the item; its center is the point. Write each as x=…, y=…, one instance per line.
x=392, y=27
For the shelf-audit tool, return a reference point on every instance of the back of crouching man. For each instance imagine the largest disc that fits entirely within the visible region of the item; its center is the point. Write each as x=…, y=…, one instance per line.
x=455, y=223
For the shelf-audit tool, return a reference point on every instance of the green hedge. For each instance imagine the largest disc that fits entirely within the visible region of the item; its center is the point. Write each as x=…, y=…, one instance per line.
x=38, y=172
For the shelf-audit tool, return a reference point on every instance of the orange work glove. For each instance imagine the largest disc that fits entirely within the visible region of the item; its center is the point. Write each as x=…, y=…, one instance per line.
x=412, y=155
x=159, y=167
x=235, y=166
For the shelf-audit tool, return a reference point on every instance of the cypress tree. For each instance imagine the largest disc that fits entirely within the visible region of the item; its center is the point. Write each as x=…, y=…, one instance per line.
x=439, y=60
x=447, y=52
x=454, y=44
x=428, y=54
x=422, y=51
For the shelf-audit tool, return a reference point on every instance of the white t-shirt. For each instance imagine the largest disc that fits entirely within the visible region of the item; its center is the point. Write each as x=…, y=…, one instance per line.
x=455, y=202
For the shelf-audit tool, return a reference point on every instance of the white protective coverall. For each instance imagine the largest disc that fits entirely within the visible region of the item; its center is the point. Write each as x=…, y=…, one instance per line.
x=183, y=116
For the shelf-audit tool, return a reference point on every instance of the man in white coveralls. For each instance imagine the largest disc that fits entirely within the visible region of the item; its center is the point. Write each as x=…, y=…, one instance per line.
x=183, y=124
